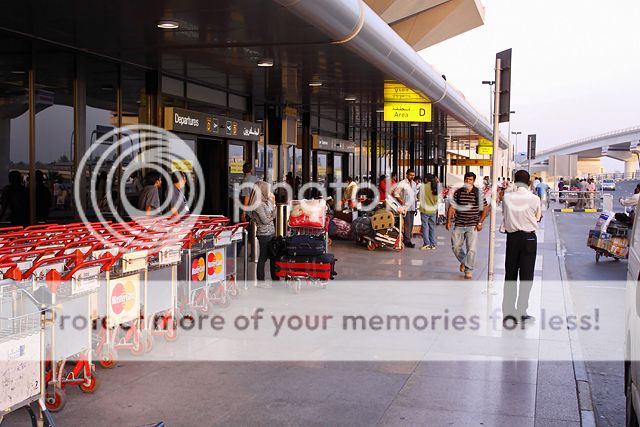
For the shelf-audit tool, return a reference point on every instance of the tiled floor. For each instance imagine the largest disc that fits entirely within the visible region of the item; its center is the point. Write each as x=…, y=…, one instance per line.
x=435, y=377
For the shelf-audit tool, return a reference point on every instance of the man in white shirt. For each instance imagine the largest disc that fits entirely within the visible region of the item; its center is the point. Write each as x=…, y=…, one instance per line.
x=521, y=214
x=405, y=192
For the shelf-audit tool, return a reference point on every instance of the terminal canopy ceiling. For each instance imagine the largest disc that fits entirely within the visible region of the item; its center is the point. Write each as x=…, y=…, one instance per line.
x=215, y=41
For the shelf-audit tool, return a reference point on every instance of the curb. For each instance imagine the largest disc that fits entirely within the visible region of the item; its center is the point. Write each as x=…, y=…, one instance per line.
x=583, y=384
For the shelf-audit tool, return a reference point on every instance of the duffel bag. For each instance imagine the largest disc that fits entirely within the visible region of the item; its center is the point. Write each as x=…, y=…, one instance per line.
x=343, y=229
x=305, y=245
x=362, y=227
x=321, y=267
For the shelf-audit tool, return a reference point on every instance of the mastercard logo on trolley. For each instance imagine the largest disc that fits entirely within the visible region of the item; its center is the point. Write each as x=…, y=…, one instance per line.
x=197, y=269
x=214, y=263
x=123, y=297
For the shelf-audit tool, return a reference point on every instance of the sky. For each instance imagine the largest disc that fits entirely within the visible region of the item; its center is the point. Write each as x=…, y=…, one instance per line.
x=575, y=66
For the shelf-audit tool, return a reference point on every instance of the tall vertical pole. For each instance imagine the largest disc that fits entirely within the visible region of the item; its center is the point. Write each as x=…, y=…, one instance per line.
x=32, y=145
x=491, y=106
x=494, y=175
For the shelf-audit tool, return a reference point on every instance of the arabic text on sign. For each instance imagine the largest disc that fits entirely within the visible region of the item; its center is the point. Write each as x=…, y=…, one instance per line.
x=407, y=112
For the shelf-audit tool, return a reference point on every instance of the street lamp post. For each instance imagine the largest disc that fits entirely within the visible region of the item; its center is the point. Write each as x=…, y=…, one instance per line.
x=513, y=157
x=490, y=83
x=516, y=145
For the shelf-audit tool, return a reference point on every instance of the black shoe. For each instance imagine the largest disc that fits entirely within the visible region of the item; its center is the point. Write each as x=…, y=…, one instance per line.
x=410, y=245
x=527, y=318
x=508, y=319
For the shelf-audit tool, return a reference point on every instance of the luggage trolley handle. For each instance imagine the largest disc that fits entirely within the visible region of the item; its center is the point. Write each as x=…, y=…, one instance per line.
x=12, y=271
x=46, y=261
x=23, y=255
x=106, y=264
x=158, y=248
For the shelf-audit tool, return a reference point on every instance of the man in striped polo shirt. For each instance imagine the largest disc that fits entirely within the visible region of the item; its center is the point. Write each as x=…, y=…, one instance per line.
x=465, y=210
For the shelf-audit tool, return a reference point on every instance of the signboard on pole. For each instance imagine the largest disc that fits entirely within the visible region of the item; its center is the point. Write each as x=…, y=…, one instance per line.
x=484, y=150
x=531, y=147
x=403, y=104
x=505, y=85
x=407, y=111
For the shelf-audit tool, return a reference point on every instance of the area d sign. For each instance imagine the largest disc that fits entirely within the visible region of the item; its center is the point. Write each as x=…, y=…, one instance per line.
x=407, y=111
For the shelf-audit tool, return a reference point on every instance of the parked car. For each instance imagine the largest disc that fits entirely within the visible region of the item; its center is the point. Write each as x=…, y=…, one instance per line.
x=608, y=185
x=632, y=330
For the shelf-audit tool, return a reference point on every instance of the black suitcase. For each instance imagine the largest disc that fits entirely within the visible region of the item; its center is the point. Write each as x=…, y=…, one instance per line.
x=321, y=267
x=306, y=245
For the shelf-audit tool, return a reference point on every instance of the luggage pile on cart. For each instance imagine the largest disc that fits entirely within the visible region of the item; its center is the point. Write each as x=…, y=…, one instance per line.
x=382, y=229
x=609, y=238
x=125, y=283
x=305, y=258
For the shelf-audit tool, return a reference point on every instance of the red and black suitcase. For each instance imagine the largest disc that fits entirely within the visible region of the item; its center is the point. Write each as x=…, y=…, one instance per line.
x=320, y=267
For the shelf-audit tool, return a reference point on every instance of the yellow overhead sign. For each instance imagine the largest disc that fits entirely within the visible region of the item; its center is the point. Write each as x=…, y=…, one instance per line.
x=181, y=165
x=483, y=149
x=397, y=92
x=470, y=162
x=407, y=112
x=484, y=142
x=235, y=167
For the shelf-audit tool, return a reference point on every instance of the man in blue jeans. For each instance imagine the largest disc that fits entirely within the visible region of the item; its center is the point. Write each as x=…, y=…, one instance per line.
x=465, y=206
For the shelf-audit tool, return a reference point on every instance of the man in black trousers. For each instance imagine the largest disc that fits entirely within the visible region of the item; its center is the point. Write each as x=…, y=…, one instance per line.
x=521, y=214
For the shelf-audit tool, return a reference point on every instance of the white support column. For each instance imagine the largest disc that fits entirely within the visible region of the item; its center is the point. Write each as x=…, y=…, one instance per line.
x=630, y=167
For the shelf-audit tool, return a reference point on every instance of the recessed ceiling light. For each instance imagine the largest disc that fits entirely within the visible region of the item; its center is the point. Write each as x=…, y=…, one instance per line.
x=315, y=84
x=414, y=125
x=380, y=110
x=168, y=24
x=18, y=72
x=428, y=131
x=350, y=98
x=265, y=62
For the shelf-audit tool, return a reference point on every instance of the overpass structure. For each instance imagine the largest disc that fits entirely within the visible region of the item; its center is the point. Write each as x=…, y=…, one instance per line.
x=623, y=145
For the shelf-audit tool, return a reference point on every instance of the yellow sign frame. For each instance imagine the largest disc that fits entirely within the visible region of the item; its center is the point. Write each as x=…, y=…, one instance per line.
x=407, y=112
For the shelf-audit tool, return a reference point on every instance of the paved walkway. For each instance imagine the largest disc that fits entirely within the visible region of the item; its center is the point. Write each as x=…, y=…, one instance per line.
x=485, y=377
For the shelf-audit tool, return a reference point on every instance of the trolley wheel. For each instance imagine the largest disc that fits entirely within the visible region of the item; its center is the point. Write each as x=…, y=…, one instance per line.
x=371, y=246
x=297, y=286
x=220, y=297
x=109, y=360
x=204, y=309
x=172, y=332
x=55, y=401
x=138, y=346
x=234, y=292
x=597, y=256
x=90, y=386
x=147, y=338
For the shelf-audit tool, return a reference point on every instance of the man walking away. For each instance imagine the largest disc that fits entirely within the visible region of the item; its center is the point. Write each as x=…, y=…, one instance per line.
x=405, y=192
x=468, y=221
x=521, y=214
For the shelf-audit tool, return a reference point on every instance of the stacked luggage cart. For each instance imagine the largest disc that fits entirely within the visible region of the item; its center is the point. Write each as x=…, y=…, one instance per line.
x=304, y=257
x=124, y=283
x=381, y=229
x=609, y=238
